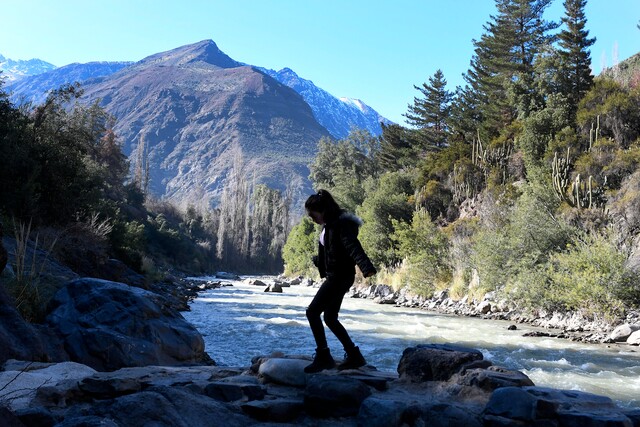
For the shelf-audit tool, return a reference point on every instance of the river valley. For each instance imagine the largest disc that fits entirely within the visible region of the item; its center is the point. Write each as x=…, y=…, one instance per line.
x=241, y=321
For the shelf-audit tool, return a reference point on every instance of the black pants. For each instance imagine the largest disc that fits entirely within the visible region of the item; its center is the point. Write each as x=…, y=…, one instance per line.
x=328, y=299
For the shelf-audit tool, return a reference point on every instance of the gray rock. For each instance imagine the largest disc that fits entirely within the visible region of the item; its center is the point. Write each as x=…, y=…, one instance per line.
x=375, y=379
x=108, y=325
x=230, y=392
x=108, y=388
x=285, y=371
x=24, y=341
x=634, y=338
x=165, y=407
x=622, y=332
x=334, y=396
x=278, y=411
x=493, y=378
x=570, y=407
x=441, y=415
x=296, y=281
x=274, y=287
x=19, y=388
x=256, y=282
x=435, y=362
x=484, y=307
x=375, y=412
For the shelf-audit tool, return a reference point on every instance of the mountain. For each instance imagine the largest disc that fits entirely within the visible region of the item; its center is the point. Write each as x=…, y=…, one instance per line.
x=627, y=72
x=201, y=114
x=15, y=70
x=339, y=116
x=35, y=88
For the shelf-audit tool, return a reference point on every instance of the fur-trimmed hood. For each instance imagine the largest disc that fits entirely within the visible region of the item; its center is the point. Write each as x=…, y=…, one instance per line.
x=348, y=216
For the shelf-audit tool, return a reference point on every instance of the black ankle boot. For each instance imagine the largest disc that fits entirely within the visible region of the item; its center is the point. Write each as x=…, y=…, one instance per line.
x=321, y=361
x=353, y=360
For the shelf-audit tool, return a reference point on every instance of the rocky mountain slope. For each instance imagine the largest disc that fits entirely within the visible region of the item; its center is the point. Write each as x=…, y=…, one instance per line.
x=338, y=115
x=200, y=114
x=34, y=88
x=13, y=70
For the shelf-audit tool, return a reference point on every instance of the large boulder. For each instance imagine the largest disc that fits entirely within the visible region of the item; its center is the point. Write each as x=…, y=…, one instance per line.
x=334, y=396
x=24, y=341
x=622, y=332
x=534, y=405
x=109, y=325
x=634, y=338
x=435, y=362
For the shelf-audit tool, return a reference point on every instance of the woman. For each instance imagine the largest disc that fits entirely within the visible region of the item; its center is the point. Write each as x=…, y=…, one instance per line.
x=338, y=253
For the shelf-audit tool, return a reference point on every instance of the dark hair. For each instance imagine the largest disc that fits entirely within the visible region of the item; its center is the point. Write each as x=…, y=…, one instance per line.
x=324, y=203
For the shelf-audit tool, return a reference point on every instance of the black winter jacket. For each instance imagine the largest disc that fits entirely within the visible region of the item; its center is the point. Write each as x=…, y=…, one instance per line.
x=342, y=250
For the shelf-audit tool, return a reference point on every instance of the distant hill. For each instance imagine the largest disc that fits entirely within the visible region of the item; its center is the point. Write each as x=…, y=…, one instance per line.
x=34, y=88
x=13, y=70
x=626, y=72
x=339, y=116
x=198, y=111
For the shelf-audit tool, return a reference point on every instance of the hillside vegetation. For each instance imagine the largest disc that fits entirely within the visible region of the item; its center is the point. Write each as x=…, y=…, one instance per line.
x=524, y=182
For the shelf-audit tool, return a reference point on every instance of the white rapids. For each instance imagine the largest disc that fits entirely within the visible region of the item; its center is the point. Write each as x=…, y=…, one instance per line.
x=241, y=321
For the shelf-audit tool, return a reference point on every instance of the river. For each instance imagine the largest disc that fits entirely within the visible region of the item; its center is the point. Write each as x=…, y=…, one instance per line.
x=241, y=321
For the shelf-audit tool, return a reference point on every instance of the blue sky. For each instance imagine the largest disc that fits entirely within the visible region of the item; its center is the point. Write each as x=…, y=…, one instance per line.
x=372, y=50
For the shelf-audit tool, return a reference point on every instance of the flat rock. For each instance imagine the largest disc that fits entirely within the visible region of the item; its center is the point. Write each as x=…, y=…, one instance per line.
x=493, y=378
x=279, y=411
x=285, y=371
x=19, y=388
x=334, y=396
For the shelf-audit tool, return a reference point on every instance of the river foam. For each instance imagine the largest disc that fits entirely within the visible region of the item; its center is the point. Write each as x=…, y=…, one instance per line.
x=242, y=321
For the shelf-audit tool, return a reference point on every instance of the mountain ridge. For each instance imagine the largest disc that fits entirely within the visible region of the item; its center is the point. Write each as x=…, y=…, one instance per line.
x=14, y=70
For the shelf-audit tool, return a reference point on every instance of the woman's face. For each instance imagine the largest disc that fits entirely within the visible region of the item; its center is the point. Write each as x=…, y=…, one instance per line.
x=317, y=217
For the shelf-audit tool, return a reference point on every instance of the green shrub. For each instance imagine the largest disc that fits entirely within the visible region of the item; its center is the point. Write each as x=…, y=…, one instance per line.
x=301, y=246
x=426, y=251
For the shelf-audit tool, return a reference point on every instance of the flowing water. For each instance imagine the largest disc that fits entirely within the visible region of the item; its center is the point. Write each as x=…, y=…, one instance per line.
x=241, y=321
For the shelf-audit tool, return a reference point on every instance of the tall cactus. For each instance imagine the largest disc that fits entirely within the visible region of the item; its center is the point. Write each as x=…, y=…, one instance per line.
x=594, y=133
x=560, y=169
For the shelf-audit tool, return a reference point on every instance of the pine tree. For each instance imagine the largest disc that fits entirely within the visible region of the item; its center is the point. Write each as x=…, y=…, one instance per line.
x=430, y=112
x=574, y=53
x=501, y=76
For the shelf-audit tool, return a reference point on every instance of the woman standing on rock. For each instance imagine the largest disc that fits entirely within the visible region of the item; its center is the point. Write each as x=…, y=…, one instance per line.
x=338, y=253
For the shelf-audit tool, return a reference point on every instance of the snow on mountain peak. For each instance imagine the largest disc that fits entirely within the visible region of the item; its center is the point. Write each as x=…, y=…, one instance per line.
x=356, y=103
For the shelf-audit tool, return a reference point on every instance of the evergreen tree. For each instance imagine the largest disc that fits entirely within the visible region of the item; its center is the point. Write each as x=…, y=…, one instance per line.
x=501, y=78
x=397, y=148
x=430, y=112
x=574, y=53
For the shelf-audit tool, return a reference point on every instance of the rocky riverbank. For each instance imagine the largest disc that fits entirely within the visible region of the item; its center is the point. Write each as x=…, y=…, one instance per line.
x=573, y=326
x=436, y=385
